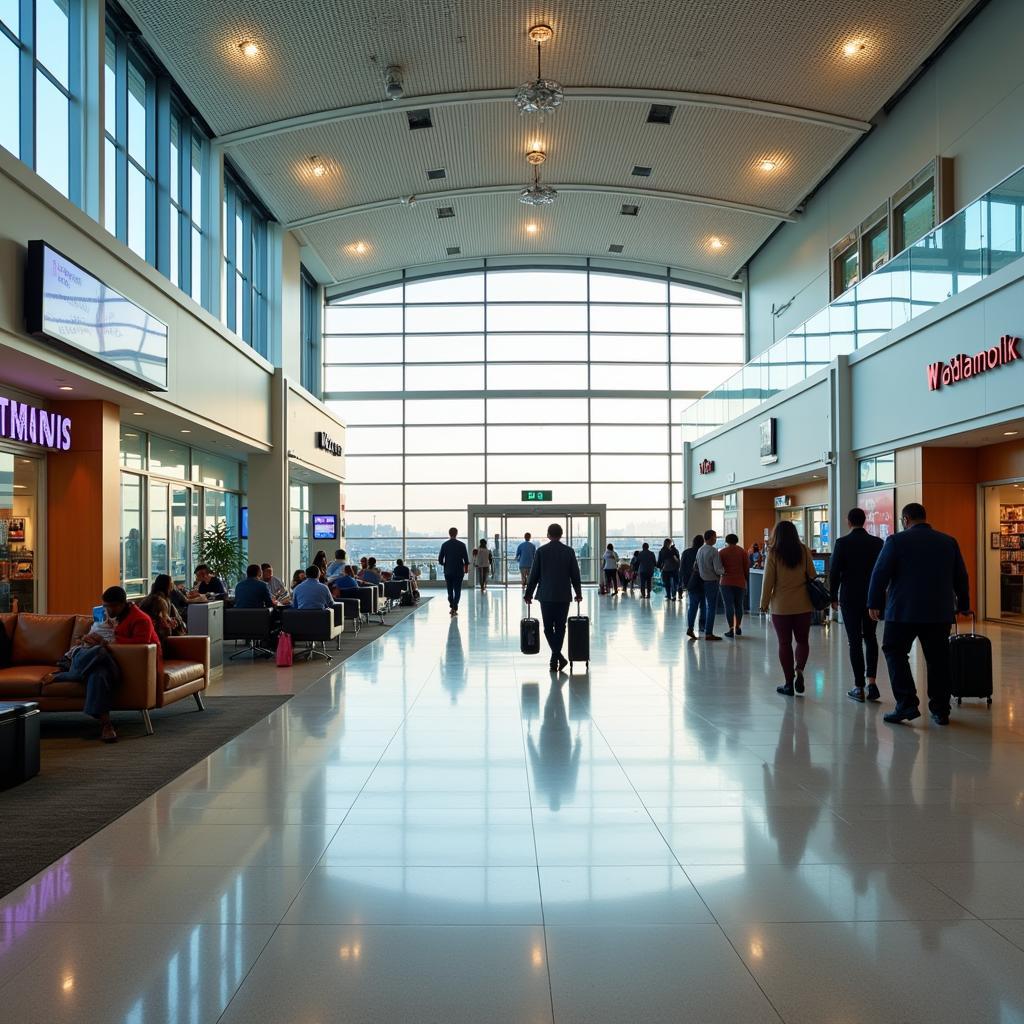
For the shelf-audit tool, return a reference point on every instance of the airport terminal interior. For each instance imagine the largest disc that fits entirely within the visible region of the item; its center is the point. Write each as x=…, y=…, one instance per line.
x=475, y=483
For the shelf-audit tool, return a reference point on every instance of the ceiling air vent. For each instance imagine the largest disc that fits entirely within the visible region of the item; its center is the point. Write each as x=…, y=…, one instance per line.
x=642, y=172
x=660, y=113
x=419, y=119
x=444, y=212
x=453, y=250
x=437, y=175
x=615, y=248
x=629, y=210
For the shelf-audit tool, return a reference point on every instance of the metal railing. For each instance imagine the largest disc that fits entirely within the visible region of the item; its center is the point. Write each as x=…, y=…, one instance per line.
x=975, y=242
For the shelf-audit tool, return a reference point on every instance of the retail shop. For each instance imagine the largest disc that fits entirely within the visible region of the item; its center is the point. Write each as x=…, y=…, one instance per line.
x=931, y=413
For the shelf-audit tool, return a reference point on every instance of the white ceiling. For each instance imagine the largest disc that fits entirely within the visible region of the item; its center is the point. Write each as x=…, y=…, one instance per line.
x=750, y=81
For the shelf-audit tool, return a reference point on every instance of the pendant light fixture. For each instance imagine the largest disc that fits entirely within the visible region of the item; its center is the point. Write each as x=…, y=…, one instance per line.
x=542, y=95
x=537, y=194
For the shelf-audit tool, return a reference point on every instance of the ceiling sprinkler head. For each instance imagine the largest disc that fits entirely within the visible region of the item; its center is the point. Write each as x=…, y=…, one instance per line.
x=393, y=83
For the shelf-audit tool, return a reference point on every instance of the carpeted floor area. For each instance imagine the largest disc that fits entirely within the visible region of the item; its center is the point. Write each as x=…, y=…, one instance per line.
x=84, y=784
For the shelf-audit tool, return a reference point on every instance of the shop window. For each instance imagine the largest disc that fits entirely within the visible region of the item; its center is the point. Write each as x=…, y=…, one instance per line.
x=215, y=470
x=19, y=532
x=132, y=576
x=133, y=448
x=819, y=528
x=169, y=458
x=876, y=471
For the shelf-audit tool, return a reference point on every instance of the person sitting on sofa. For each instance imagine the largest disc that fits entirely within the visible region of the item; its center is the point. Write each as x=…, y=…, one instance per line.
x=93, y=664
x=162, y=615
x=163, y=586
x=252, y=592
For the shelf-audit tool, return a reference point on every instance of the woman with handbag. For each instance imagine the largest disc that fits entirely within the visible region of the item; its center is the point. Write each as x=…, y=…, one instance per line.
x=787, y=572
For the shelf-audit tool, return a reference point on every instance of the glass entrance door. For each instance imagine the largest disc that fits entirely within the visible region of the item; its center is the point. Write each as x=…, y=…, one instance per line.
x=505, y=528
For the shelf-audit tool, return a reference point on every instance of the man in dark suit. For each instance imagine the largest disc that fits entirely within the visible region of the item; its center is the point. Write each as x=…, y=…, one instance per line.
x=454, y=559
x=853, y=558
x=555, y=577
x=921, y=580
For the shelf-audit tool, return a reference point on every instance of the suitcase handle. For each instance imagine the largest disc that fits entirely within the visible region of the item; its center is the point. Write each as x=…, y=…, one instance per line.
x=974, y=625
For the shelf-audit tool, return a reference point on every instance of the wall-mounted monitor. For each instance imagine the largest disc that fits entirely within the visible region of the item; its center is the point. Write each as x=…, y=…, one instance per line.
x=243, y=522
x=325, y=527
x=66, y=304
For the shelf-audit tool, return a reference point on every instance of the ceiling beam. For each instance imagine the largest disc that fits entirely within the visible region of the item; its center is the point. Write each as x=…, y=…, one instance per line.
x=492, y=190
x=464, y=99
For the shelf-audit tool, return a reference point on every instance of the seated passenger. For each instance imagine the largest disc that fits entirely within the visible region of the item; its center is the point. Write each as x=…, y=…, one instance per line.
x=163, y=586
x=370, y=573
x=278, y=591
x=208, y=585
x=297, y=577
x=164, y=618
x=253, y=592
x=347, y=580
x=337, y=567
x=311, y=593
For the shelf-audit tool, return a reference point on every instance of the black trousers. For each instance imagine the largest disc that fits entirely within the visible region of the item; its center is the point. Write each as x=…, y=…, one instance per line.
x=554, y=614
x=454, y=588
x=862, y=633
x=934, y=638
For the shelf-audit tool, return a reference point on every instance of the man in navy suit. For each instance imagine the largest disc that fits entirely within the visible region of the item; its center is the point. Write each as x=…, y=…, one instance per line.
x=555, y=576
x=454, y=559
x=921, y=580
x=853, y=559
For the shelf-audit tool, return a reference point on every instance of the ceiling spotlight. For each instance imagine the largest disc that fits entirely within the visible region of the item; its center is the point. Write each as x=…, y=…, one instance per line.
x=138, y=414
x=359, y=248
x=65, y=387
x=716, y=243
x=536, y=156
x=767, y=166
x=393, y=83
x=1009, y=433
x=853, y=47
x=186, y=430
x=531, y=229
x=317, y=167
x=408, y=200
x=249, y=47
x=542, y=95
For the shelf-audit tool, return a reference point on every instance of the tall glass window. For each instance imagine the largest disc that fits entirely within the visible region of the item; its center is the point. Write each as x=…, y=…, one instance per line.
x=244, y=231
x=467, y=388
x=310, y=333
x=39, y=113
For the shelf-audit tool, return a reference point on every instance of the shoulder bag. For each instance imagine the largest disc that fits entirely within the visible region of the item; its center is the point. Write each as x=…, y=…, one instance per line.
x=819, y=594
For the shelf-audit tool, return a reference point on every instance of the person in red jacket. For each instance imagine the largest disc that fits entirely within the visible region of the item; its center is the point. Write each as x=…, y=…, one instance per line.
x=131, y=626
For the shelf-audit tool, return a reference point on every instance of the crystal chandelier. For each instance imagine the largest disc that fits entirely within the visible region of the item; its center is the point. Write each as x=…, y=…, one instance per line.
x=538, y=194
x=542, y=95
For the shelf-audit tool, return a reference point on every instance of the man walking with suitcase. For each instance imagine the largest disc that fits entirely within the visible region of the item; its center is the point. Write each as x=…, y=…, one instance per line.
x=454, y=559
x=921, y=581
x=555, y=578
x=853, y=560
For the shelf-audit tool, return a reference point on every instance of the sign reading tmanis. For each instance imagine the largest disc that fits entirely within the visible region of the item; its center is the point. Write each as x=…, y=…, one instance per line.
x=20, y=421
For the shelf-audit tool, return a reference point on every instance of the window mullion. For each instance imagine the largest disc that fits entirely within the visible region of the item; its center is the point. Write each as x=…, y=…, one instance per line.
x=121, y=127
x=27, y=82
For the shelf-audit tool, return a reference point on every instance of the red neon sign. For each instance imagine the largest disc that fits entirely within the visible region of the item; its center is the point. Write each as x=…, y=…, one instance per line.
x=963, y=367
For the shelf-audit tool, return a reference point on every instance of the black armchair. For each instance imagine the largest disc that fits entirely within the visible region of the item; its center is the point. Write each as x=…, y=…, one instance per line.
x=313, y=626
x=253, y=625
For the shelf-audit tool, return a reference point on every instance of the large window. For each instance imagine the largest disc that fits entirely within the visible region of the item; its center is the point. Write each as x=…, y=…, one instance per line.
x=467, y=388
x=39, y=83
x=244, y=231
x=309, y=333
x=154, y=152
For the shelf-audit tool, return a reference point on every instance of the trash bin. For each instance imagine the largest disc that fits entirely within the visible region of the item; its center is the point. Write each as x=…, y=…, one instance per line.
x=19, y=742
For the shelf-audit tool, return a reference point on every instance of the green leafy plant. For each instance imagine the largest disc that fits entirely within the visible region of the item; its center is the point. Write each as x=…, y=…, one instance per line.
x=222, y=551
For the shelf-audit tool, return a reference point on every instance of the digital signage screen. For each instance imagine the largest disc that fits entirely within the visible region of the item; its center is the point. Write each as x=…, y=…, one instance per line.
x=325, y=527
x=66, y=304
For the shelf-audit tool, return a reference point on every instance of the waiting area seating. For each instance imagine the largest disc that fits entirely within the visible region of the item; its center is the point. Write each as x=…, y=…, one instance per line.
x=39, y=641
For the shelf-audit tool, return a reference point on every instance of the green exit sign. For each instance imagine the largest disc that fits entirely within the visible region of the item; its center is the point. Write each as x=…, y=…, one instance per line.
x=536, y=495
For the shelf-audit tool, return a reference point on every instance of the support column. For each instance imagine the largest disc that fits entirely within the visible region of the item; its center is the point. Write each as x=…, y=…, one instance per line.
x=696, y=511
x=842, y=470
x=83, y=509
x=268, y=491
x=325, y=499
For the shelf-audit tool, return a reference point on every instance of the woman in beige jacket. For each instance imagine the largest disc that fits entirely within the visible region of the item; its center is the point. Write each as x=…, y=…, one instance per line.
x=784, y=592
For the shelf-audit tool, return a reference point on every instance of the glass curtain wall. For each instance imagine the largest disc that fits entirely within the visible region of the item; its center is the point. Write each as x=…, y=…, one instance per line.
x=467, y=388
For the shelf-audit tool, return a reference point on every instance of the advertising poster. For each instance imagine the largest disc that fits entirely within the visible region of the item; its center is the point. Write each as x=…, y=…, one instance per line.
x=880, y=510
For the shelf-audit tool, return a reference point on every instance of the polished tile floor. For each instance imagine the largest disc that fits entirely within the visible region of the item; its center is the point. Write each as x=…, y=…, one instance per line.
x=438, y=831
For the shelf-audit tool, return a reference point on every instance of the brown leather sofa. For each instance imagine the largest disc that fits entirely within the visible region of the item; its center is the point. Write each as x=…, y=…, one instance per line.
x=38, y=641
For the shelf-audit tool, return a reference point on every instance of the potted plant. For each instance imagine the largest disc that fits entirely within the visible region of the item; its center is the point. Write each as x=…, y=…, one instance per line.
x=222, y=551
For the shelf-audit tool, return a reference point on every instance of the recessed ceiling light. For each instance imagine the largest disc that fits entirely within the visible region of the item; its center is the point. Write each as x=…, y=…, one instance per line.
x=138, y=414
x=128, y=434
x=20, y=487
x=716, y=243
x=358, y=248
x=853, y=46
x=531, y=229
x=185, y=430
x=26, y=462
x=1009, y=433
x=767, y=165
x=65, y=387
x=317, y=167
x=249, y=47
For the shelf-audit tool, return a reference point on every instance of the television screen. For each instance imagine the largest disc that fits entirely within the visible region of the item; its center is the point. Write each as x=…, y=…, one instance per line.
x=819, y=566
x=243, y=524
x=325, y=527
x=66, y=304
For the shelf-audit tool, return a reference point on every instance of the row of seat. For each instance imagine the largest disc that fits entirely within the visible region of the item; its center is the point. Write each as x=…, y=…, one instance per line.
x=256, y=627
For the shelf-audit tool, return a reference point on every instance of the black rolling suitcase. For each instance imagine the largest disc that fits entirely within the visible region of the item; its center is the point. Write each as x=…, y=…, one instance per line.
x=578, y=636
x=970, y=662
x=529, y=634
